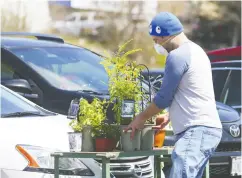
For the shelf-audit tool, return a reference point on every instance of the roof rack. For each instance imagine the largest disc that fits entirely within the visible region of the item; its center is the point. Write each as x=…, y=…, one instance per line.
x=39, y=36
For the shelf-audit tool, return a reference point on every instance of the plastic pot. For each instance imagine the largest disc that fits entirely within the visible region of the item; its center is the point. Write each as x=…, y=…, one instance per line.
x=126, y=143
x=147, y=137
x=87, y=141
x=105, y=144
x=159, y=138
x=75, y=141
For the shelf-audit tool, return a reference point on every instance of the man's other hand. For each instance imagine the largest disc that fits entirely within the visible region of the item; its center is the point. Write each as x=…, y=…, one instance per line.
x=161, y=121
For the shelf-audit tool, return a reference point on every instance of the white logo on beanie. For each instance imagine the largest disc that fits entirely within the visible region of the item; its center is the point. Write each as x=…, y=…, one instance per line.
x=158, y=30
x=150, y=28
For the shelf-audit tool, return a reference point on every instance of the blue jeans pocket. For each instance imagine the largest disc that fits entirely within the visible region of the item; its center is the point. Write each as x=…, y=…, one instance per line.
x=210, y=141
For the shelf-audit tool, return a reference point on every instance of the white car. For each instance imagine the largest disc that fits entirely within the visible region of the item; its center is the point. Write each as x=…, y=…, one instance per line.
x=28, y=134
x=78, y=22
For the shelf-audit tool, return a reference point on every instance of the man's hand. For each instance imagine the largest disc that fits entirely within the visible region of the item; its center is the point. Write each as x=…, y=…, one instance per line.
x=136, y=124
x=162, y=121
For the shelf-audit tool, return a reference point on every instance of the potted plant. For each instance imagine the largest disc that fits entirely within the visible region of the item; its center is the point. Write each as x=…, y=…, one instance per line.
x=147, y=133
x=125, y=91
x=106, y=137
x=90, y=115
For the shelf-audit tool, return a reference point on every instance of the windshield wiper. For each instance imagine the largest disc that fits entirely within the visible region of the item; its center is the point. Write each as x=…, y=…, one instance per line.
x=92, y=92
x=22, y=114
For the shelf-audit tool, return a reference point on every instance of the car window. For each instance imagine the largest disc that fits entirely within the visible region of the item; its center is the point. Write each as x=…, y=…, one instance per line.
x=66, y=68
x=232, y=95
x=11, y=103
x=219, y=78
x=7, y=72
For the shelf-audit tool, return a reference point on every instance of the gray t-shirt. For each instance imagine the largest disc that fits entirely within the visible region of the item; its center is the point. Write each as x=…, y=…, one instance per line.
x=187, y=89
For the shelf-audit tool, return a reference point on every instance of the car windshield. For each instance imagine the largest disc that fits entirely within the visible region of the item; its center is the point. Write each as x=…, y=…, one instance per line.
x=66, y=68
x=12, y=104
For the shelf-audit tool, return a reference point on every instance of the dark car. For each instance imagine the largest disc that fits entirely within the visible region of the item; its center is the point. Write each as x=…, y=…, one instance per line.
x=226, y=161
x=52, y=73
x=227, y=83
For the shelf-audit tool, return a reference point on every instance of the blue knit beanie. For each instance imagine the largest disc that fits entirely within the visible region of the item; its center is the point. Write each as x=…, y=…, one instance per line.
x=165, y=24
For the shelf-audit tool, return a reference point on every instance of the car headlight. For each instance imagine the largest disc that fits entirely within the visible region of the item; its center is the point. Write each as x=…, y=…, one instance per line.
x=40, y=160
x=234, y=130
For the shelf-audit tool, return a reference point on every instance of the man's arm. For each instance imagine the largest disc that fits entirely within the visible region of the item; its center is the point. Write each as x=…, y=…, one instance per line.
x=175, y=68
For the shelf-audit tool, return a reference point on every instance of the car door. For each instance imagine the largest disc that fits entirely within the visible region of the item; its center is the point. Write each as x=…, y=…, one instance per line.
x=231, y=94
x=220, y=75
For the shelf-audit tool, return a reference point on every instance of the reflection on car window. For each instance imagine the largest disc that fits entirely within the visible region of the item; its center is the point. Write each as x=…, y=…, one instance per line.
x=11, y=103
x=66, y=68
x=7, y=72
x=219, y=78
x=233, y=91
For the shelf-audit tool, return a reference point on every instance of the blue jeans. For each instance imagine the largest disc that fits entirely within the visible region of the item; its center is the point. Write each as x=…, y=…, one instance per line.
x=192, y=151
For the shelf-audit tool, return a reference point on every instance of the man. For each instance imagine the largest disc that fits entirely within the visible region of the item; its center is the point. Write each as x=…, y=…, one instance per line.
x=187, y=89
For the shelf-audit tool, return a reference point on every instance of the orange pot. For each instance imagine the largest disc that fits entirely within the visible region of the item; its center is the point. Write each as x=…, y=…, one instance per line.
x=159, y=138
x=159, y=135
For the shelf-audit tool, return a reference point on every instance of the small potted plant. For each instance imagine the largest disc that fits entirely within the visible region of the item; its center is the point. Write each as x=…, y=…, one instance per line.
x=90, y=115
x=106, y=137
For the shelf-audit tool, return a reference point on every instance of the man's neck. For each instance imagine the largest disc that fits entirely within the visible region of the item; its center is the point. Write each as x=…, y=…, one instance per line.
x=179, y=40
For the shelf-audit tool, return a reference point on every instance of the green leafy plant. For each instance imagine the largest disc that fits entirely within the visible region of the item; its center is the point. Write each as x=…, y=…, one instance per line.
x=90, y=114
x=105, y=130
x=123, y=78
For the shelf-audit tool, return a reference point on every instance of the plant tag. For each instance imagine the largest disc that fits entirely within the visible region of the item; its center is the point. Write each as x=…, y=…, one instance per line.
x=73, y=109
x=127, y=109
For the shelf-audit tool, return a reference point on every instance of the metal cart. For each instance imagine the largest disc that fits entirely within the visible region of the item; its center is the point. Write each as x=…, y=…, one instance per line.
x=106, y=156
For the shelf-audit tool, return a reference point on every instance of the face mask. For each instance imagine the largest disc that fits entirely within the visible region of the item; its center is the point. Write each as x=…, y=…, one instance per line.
x=160, y=49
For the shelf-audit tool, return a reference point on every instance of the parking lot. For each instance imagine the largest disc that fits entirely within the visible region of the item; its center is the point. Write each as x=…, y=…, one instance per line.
x=74, y=81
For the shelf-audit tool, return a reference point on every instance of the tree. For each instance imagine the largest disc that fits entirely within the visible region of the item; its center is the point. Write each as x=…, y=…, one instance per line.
x=121, y=25
x=12, y=20
x=218, y=23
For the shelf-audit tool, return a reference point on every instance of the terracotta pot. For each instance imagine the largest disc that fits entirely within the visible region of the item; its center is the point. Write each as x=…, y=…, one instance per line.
x=105, y=144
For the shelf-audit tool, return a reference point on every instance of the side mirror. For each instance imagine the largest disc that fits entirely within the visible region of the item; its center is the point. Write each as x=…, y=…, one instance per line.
x=20, y=86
